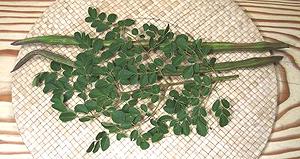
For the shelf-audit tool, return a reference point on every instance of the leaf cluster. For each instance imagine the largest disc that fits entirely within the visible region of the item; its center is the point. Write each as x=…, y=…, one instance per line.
x=101, y=141
x=107, y=65
x=220, y=108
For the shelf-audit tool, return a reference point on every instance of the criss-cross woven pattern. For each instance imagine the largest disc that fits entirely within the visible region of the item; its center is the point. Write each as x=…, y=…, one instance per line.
x=253, y=95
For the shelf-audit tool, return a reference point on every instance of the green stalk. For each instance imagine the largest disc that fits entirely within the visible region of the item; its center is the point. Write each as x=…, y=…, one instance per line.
x=214, y=79
x=216, y=46
x=227, y=66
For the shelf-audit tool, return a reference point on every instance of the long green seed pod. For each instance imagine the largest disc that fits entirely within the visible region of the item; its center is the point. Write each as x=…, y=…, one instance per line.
x=48, y=39
x=47, y=54
x=225, y=78
x=217, y=79
x=215, y=46
x=258, y=46
x=227, y=66
x=223, y=66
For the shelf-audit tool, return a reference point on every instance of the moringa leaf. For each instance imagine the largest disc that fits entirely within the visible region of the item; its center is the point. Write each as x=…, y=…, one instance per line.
x=97, y=147
x=144, y=145
x=182, y=41
x=85, y=119
x=134, y=135
x=188, y=72
x=120, y=136
x=135, y=31
x=216, y=105
x=39, y=78
x=105, y=143
x=201, y=128
x=144, y=79
x=81, y=108
x=102, y=16
x=118, y=116
x=158, y=62
x=144, y=107
x=185, y=128
x=101, y=27
x=98, y=45
x=152, y=78
x=223, y=120
x=177, y=60
x=129, y=22
x=100, y=135
x=55, y=66
x=225, y=103
x=177, y=129
x=91, y=147
x=67, y=116
x=170, y=106
x=157, y=137
x=92, y=12
x=145, y=27
x=112, y=18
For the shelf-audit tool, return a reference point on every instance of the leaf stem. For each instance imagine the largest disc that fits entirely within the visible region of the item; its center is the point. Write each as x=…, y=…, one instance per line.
x=214, y=79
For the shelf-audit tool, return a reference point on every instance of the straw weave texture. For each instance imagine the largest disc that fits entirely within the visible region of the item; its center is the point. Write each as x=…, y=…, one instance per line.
x=253, y=95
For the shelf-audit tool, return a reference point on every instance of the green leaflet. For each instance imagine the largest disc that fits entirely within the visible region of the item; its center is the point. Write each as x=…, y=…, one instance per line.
x=119, y=117
x=39, y=78
x=177, y=129
x=67, y=116
x=135, y=31
x=177, y=60
x=91, y=147
x=112, y=17
x=120, y=136
x=201, y=128
x=81, y=108
x=185, y=128
x=144, y=145
x=129, y=22
x=97, y=147
x=134, y=135
x=105, y=143
x=188, y=72
x=157, y=137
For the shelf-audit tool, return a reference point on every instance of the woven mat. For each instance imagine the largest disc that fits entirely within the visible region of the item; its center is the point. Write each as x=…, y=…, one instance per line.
x=253, y=95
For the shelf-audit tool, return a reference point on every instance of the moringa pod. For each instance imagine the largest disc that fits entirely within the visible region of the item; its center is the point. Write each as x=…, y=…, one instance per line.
x=47, y=39
x=215, y=46
x=223, y=66
x=232, y=65
x=47, y=54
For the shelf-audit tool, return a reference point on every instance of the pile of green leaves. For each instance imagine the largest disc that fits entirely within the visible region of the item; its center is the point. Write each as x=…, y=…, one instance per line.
x=103, y=71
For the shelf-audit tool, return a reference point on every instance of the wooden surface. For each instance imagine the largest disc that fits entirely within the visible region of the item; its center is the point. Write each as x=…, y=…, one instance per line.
x=277, y=20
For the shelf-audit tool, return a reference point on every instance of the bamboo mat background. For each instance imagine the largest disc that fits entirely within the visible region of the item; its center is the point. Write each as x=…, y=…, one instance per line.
x=277, y=20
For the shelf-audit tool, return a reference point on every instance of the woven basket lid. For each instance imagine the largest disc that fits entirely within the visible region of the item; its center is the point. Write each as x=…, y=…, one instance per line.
x=252, y=95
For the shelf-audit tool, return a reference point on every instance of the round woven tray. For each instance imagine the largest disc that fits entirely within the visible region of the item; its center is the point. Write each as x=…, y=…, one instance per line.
x=252, y=95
